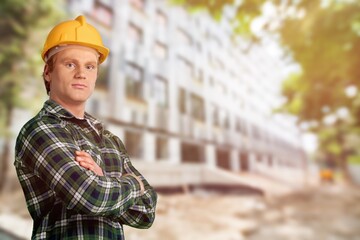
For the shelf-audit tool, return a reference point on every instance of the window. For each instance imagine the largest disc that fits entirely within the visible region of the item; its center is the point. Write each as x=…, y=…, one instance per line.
x=210, y=60
x=183, y=37
x=138, y=4
x=222, y=118
x=227, y=121
x=186, y=68
x=216, y=116
x=161, y=18
x=256, y=132
x=182, y=101
x=134, y=144
x=107, y=42
x=102, y=13
x=198, y=109
x=218, y=64
x=135, y=33
x=223, y=159
x=161, y=92
x=199, y=76
x=216, y=41
x=160, y=50
x=95, y=107
x=220, y=88
x=134, y=81
x=192, y=153
x=199, y=46
x=241, y=126
x=211, y=82
x=161, y=148
x=212, y=39
x=238, y=125
x=102, y=81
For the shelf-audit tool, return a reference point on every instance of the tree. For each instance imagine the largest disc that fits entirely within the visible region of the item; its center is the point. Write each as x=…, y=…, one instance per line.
x=322, y=37
x=244, y=14
x=21, y=23
x=325, y=46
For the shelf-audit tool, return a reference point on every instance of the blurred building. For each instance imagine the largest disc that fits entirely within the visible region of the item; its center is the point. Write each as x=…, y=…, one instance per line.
x=177, y=88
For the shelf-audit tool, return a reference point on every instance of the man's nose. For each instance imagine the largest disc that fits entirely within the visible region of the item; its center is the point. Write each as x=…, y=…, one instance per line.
x=80, y=72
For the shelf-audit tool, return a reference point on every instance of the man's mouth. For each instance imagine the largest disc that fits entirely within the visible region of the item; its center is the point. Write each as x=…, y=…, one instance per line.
x=78, y=85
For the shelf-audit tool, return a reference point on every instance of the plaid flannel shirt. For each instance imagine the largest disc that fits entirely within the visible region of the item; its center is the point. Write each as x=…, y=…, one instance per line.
x=67, y=201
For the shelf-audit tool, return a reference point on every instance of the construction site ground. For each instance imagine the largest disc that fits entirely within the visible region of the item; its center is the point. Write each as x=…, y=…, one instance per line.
x=324, y=211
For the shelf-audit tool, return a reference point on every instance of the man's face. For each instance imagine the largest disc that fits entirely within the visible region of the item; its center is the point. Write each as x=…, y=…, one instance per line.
x=73, y=78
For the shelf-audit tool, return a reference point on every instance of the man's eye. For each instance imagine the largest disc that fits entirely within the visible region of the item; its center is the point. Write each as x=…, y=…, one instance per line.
x=90, y=67
x=70, y=65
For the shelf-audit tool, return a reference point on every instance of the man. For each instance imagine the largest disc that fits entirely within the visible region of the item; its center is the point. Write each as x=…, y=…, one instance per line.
x=77, y=178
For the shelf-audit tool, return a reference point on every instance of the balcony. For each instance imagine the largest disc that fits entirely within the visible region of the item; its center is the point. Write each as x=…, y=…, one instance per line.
x=162, y=118
x=186, y=125
x=162, y=34
x=134, y=53
x=138, y=117
x=159, y=67
x=199, y=130
x=186, y=52
x=138, y=16
x=232, y=138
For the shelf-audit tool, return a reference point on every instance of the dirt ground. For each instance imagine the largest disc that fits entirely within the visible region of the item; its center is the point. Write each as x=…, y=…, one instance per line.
x=329, y=213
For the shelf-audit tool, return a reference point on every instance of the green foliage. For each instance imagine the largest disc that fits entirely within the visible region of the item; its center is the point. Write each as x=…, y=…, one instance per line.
x=291, y=87
x=324, y=47
x=354, y=160
x=214, y=7
x=21, y=24
x=245, y=12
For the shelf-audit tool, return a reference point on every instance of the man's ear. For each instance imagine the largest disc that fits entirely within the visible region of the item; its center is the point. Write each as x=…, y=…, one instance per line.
x=46, y=73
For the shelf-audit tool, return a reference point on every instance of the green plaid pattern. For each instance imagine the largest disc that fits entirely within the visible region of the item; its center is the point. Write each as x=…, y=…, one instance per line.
x=67, y=201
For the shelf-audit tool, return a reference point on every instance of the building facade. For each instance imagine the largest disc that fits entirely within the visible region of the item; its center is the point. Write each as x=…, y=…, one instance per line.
x=177, y=88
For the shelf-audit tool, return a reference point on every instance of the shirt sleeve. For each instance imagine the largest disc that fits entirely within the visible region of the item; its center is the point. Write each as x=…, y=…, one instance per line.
x=142, y=213
x=48, y=150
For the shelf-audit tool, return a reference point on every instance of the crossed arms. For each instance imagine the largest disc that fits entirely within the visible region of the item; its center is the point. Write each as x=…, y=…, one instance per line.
x=48, y=153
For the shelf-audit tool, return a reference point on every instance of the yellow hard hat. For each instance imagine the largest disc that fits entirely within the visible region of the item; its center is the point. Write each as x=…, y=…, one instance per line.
x=77, y=32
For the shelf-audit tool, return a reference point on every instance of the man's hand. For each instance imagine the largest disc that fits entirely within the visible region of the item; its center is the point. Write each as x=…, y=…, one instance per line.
x=86, y=161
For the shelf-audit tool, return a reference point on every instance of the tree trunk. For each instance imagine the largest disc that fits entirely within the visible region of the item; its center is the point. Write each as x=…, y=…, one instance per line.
x=348, y=179
x=4, y=158
x=4, y=163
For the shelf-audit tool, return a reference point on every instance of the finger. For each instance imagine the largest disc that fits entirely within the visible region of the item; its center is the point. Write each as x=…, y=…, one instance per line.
x=82, y=153
x=87, y=165
x=85, y=160
x=80, y=159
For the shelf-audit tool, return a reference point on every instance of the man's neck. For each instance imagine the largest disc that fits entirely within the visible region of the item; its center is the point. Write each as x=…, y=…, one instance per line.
x=76, y=109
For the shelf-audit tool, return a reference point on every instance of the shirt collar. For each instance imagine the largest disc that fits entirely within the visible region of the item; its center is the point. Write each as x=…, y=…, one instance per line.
x=56, y=109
